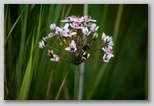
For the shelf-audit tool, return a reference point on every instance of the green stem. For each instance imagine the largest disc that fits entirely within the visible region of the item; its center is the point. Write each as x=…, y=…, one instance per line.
x=81, y=71
x=76, y=83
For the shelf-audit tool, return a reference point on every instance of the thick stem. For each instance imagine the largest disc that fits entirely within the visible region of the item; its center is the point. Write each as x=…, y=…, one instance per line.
x=78, y=79
x=81, y=69
x=76, y=83
x=81, y=81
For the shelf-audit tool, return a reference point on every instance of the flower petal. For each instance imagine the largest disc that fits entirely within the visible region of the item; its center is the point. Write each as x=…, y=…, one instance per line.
x=67, y=48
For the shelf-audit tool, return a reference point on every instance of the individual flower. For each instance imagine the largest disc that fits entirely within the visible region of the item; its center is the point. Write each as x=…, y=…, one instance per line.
x=87, y=19
x=76, y=25
x=69, y=19
x=104, y=37
x=107, y=57
x=64, y=31
x=107, y=40
x=93, y=27
x=85, y=31
x=72, y=47
x=95, y=35
x=107, y=50
x=68, y=33
x=53, y=57
x=78, y=19
x=42, y=43
x=108, y=54
x=53, y=27
x=50, y=35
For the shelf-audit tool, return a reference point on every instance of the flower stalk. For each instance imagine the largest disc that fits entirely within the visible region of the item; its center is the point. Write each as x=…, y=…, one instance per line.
x=76, y=83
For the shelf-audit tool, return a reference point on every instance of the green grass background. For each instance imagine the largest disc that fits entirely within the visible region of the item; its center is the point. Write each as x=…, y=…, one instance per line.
x=30, y=75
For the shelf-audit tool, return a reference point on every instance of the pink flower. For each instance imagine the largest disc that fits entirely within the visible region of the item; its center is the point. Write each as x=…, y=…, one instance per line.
x=53, y=57
x=104, y=37
x=107, y=57
x=85, y=31
x=67, y=32
x=93, y=27
x=72, y=47
x=76, y=25
x=42, y=43
x=108, y=50
x=53, y=27
x=87, y=19
x=50, y=35
x=69, y=19
x=107, y=40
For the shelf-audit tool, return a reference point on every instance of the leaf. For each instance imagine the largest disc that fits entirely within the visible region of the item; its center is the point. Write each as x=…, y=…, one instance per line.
x=25, y=87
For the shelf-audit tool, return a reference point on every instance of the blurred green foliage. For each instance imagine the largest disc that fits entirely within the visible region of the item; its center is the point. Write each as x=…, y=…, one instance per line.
x=29, y=73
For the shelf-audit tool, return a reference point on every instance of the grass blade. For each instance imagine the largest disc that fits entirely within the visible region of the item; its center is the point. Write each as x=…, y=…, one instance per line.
x=22, y=46
x=25, y=87
x=63, y=82
x=14, y=25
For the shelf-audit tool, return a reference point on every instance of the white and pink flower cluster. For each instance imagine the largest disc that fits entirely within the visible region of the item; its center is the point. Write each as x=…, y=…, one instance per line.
x=74, y=38
x=108, y=47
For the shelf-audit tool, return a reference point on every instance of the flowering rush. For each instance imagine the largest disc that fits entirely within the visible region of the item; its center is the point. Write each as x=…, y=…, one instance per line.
x=75, y=40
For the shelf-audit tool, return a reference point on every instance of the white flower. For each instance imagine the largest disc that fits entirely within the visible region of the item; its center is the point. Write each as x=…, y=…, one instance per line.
x=53, y=27
x=59, y=32
x=85, y=31
x=66, y=26
x=53, y=56
x=42, y=43
x=108, y=50
x=87, y=19
x=93, y=27
x=50, y=35
x=104, y=37
x=107, y=40
x=69, y=19
x=77, y=19
x=72, y=47
x=95, y=35
x=76, y=25
x=107, y=57
x=67, y=32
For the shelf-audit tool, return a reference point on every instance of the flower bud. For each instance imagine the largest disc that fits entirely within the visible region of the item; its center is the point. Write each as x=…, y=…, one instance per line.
x=85, y=47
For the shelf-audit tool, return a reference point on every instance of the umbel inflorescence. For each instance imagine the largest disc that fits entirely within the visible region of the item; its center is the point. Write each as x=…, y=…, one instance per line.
x=75, y=39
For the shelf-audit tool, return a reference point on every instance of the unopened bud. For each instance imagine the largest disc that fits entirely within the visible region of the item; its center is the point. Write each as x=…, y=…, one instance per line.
x=85, y=47
x=95, y=35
